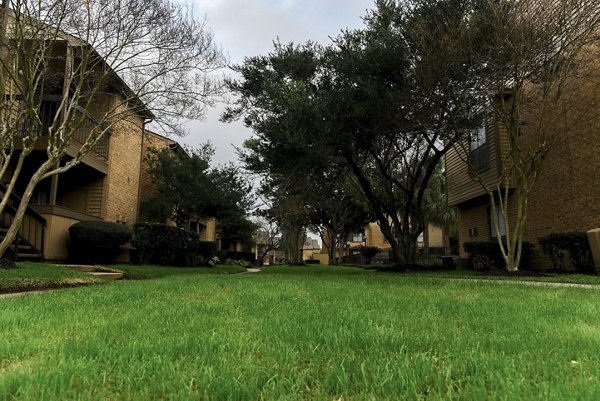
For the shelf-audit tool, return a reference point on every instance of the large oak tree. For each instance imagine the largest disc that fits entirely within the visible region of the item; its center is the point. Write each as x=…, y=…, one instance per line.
x=382, y=105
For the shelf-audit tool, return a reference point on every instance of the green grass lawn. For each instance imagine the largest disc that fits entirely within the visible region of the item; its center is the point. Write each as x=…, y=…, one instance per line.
x=301, y=333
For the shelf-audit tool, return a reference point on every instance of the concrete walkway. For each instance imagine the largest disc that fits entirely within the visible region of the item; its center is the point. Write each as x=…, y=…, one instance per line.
x=526, y=283
x=19, y=294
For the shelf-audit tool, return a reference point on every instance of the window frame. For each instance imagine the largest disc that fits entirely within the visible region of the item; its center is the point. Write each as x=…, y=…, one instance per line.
x=499, y=220
x=478, y=145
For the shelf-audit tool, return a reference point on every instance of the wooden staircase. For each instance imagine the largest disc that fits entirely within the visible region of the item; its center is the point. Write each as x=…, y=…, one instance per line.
x=29, y=242
x=21, y=249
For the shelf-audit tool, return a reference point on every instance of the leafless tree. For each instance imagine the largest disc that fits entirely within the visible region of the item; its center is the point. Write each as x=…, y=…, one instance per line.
x=114, y=62
x=268, y=237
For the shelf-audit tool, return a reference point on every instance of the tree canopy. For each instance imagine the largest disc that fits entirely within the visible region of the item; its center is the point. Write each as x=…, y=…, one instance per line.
x=379, y=108
x=187, y=189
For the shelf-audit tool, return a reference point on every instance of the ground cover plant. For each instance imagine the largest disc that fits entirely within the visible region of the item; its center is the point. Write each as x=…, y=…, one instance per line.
x=298, y=333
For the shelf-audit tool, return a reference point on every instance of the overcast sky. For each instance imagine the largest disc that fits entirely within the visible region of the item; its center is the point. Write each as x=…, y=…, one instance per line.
x=246, y=28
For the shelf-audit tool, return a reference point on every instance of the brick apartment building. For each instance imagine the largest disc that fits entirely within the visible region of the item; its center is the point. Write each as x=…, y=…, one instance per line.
x=371, y=235
x=566, y=196
x=105, y=185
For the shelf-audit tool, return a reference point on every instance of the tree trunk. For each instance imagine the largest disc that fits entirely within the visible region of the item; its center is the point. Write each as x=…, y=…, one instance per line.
x=331, y=246
x=408, y=247
x=341, y=249
x=293, y=245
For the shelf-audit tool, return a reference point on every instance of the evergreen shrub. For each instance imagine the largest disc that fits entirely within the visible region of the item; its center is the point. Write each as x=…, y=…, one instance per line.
x=97, y=242
x=168, y=245
x=574, y=244
x=487, y=255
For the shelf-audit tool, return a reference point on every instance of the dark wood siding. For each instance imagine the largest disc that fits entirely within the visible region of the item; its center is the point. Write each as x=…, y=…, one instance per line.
x=461, y=187
x=94, y=206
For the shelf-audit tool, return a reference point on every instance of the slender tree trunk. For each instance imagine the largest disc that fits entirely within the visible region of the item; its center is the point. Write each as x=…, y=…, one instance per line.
x=341, y=249
x=331, y=246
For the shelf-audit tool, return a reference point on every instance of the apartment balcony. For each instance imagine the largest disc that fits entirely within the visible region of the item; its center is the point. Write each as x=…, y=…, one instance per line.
x=96, y=158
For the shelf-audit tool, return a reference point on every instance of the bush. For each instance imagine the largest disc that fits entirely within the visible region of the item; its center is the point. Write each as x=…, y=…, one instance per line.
x=486, y=254
x=234, y=255
x=575, y=244
x=167, y=245
x=207, y=249
x=312, y=261
x=97, y=241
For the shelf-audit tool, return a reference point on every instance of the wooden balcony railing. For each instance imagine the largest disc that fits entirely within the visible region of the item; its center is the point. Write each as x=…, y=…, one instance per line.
x=88, y=125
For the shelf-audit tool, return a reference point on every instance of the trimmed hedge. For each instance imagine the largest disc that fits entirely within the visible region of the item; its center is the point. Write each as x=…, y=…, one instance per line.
x=234, y=255
x=575, y=244
x=97, y=242
x=173, y=246
x=486, y=254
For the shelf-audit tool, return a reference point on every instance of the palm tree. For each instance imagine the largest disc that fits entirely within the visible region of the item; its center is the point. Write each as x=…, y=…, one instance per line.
x=437, y=212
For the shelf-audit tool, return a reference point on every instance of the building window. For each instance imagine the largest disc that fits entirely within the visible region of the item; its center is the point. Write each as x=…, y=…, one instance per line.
x=479, y=148
x=499, y=220
x=357, y=237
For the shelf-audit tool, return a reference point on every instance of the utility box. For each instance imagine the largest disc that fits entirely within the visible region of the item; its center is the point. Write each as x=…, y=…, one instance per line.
x=594, y=240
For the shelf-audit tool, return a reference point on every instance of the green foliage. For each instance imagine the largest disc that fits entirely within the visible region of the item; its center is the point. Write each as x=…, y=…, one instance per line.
x=167, y=245
x=379, y=108
x=575, y=244
x=182, y=184
x=187, y=188
x=249, y=257
x=487, y=255
x=96, y=241
x=312, y=261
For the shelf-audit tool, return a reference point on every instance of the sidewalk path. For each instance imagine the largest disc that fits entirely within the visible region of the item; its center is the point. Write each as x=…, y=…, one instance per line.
x=19, y=294
x=529, y=283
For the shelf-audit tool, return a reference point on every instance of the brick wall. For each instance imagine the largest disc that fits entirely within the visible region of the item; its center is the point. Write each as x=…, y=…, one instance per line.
x=151, y=141
x=123, y=178
x=375, y=237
